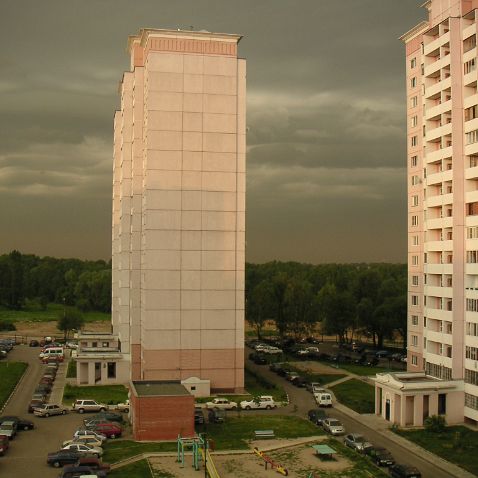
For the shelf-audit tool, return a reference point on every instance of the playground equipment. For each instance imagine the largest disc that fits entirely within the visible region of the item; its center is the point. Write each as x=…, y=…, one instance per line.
x=267, y=460
x=200, y=451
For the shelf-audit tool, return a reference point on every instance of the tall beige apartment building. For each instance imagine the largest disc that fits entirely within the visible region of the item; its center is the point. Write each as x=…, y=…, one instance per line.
x=179, y=209
x=442, y=159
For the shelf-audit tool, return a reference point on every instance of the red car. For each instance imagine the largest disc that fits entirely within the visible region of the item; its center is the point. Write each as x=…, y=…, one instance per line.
x=109, y=430
x=3, y=444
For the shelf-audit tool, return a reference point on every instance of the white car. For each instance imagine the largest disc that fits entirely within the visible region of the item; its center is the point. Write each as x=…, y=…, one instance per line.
x=83, y=432
x=123, y=407
x=323, y=398
x=263, y=402
x=222, y=403
x=272, y=350
x=84, y=449
x=333, y=426
x=82, y=406
x=89, y=440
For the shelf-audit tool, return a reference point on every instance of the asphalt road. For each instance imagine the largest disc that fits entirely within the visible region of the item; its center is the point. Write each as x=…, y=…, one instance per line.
x=301, y=401
x=26, y=457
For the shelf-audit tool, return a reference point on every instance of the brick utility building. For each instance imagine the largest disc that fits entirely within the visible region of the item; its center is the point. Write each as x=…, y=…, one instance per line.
x=179, y=209
x=442, y=159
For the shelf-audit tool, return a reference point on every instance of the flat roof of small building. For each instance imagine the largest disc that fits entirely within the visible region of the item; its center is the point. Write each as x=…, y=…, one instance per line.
x=157, y=388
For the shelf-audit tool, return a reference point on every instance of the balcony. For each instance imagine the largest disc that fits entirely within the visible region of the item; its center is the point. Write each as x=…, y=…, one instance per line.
x=438, y=269
x=439, y=223
x=439, y=337
x=440, y=177
x=438, y=246
x=471, y=269
x=471, y=149
x=436, y=133
x=438, y=291
x=435, y=44
x=437, y=65
x=439, y=359
x=469, y=31
x=470, y=101
x=470, y=78
x=439, y=154
x=471, y=196
x=471, y=173
x=471, y=221
x=439, y=200
x=437, y=88
x=438, y=110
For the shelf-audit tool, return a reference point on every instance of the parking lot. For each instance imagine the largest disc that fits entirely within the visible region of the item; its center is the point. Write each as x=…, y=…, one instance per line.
x=27, y=454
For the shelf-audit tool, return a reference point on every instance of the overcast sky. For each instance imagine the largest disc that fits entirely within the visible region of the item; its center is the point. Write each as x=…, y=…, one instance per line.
x=326, y=116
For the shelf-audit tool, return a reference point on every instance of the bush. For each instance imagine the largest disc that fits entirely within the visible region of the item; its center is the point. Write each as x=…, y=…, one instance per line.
x=435, y=424
x=6, y=324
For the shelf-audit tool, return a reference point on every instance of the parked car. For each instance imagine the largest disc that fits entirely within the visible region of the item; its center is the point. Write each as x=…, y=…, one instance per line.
x=73, y=471
x=34, y=343
x=317, y=416
x=290, y=375
x=36, y=402
x=216, y=415
x=323, y=398
x=333, y=426
x=300, y=382
x=382, y=354
x=93, y=422
x=109, y=416
x=123, y=407
x=89, y=440
x=404, y=471
x=357, y=442
x=9, y=429
x=109, y=430
x=258, y=359
x=93, y=463
x=82, y=406
x=84, y=449
x=62, y=457
x=4, y=444
x=222, y=403
x=49, y=409
x=21, y=423
x=84, y=432
x=264, y=401
x=198, y=416
x=380, y=456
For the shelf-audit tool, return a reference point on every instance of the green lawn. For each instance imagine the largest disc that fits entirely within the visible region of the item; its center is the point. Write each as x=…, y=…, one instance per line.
x=120, y=449
x=458, y=445
x=10, y=373
x=71, y=371
x=322, y=378
x=108, y=394
x=51, y=313
x=357, y=395
x=363, y=370
x=237, y=430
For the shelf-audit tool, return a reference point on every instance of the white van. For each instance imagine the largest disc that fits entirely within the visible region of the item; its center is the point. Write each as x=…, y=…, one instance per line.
x=52, y=352
x=323, y=398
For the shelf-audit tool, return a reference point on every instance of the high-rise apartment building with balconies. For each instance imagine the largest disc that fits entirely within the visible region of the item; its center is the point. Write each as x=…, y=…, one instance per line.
x=442, y=165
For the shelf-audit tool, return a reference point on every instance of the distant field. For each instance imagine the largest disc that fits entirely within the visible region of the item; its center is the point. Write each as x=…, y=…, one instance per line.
x=52, y=312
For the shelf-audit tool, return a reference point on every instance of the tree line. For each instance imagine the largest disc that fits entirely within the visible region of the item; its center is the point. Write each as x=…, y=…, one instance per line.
x=73, y=282
x=346, y=300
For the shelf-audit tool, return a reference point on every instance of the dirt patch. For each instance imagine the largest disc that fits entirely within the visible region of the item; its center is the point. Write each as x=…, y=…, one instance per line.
x=37, y=330
x=298, y=460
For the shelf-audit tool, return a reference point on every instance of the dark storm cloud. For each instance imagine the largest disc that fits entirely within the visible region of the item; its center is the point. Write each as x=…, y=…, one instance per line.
x=326, y=145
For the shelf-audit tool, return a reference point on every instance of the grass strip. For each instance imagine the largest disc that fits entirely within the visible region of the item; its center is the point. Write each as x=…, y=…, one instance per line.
x=10, y=373
x=355, y=394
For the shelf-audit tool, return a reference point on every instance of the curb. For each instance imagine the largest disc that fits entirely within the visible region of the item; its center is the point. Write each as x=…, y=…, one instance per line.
x=15, y=388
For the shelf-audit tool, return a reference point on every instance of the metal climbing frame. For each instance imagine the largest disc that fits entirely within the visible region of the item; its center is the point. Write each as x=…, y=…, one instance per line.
x=195, y=444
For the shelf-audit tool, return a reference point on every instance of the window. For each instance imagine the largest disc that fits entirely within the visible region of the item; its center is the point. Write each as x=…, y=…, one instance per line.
x=414, y=101
x=470, y=66
x=471, y=257
x=448, y=328
x=473, y=161
x=472, y=329
x=94, y=344
x=414, y=220
x=471, y=376
x=438, y=371
x=471, y=401
x=471, y=353
x=414, y=140
x=415, y=300
x=415, y=260
x=425, y=322
x=471, y=113
x=413, y=63
x=413, y=161
x=414, y=360
x=413, y=82
x=415, y=281
x=472, y=137
x=469, y=43
x=472, y=209
x=472, y=305
x=414, y=201
x=414, y=319
x=414, y=121
x=415, y=340
x=111, y=369
x=414, y=240
x=415, y=180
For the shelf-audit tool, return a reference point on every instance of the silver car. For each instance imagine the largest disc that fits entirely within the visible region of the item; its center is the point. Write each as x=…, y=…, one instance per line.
x=47, y=409
x=357, y=442
x=333, y=426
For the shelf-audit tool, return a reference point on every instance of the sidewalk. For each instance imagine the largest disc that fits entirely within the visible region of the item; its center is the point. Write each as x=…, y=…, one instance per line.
x=383, y=427
x=56, y=395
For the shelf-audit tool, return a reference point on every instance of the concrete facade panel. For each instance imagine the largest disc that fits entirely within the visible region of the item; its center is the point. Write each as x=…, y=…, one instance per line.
x=165, y=199
x=218, y=241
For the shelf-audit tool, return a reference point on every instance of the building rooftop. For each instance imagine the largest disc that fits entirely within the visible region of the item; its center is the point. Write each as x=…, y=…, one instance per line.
x=159, y=388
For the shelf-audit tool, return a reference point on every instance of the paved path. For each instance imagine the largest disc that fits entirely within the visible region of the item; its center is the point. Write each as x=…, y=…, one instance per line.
x=26, y=457
x=374, y=428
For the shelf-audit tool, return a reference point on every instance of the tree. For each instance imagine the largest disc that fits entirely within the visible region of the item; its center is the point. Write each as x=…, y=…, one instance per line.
x=279, y=288
x=70, y=319
x=301, y=306
x=435, y=424
x=259, y=306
